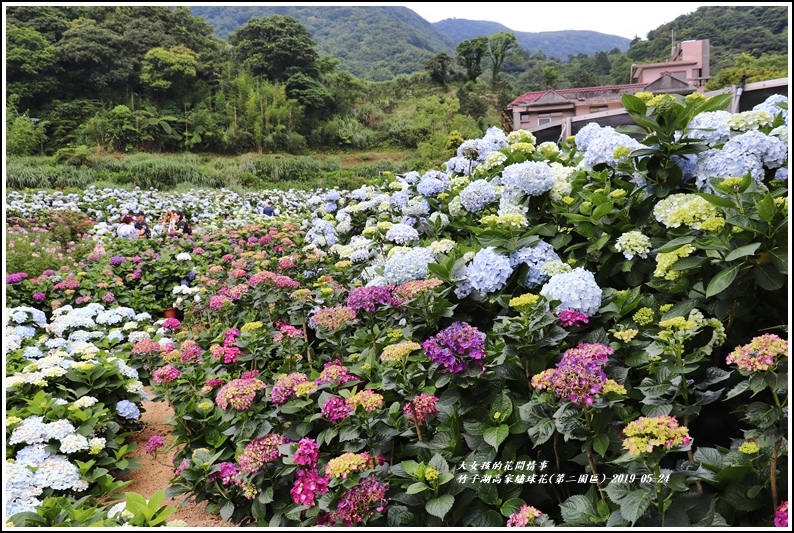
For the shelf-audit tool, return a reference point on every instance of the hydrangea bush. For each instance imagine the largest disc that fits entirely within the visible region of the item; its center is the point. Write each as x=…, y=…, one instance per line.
x=589, y=333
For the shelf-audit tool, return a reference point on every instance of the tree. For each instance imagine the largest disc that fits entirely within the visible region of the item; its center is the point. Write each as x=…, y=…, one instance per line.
x=92, y=57
x=499, y=46
x=550, y=75
x=171, y=70
x=469, y=54
x=31, y=63
x=275, y=47
x=470, y=102
x=438, y=67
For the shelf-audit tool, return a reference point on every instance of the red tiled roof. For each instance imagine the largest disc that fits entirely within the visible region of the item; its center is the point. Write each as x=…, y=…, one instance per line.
x=528, y=98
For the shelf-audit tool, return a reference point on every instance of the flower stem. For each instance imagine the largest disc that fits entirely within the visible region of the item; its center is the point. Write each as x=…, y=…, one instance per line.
x=773, y=473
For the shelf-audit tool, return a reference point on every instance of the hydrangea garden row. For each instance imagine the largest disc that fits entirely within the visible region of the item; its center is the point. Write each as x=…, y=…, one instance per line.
x=584, y=333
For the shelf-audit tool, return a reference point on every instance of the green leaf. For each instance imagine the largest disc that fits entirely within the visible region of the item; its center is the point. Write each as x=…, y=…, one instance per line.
x=227, y=510
x=633, y=104
x=439, y=464
x=416, y=488
x=742, y=251
x=503, y=406
x=719, y=201
x=633, y=503
x=496, y=435
x=439, y=507
x=768, y=277
x=600, y=444
x=738, y=389
x=766, y=208
x=602, y=210
x=675, y=244
x=721, y=281
x=398, y=515
x=579, y=510
x=511, y=506
x=410, y=467
x=542, y=431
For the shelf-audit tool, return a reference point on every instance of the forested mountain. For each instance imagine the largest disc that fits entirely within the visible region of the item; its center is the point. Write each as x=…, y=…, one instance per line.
x=158, y=79
x=375, y=43
x=557, y=44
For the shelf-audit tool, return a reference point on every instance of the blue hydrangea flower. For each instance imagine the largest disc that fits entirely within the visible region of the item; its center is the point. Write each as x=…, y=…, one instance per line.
x=433, y=183
x=461, y=166
x=576, y=290
x=770, y=106
x=772, y=152
x=410, y=178
x=400, y=199
x=416, y=206
x=531, y=177
x=477, y=195
x=489, y=271
x=402, y=234
x=587, y=134
x=322, y=233
x=711, y=126
x=688, y=164
x=128, y=410
x=535, y=257
x=332, y=196
x=602, y=146
x=406, y=266
x=726, y=164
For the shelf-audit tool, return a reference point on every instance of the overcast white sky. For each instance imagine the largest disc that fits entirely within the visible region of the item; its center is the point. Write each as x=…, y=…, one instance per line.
x=632, y=19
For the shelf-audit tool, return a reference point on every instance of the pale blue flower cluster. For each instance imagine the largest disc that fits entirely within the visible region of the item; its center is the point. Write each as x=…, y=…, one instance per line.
x=322, y=233
x=35, y=315
x=601, y=148
x=585, y=135
x=477, y=195
x=711, y=126
x=535, y=257
x=406, y=266
x=32, y=430
x=493, y=140
x=73, y=320
x=770, y=150
x=433, y=183
x=531, y=177
x=726, y=164
x=402, y=234
x=332, y=196
x=20, y=491
x=461, y=165
x=410, y=178
x=32, y=352
x=576, y=290
x=770, y=105
x=58, y=473
x=128, y=410
x=416, y=206
x=488, y=271
x=400, y=199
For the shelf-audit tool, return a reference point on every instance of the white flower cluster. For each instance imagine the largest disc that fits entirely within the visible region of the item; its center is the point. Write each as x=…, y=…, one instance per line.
x=633, y=243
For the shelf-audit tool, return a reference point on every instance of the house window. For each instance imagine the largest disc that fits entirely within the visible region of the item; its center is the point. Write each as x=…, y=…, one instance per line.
x=545, y=118
x=598, y=108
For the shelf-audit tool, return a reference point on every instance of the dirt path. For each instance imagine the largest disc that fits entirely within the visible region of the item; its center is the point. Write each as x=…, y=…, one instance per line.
x=155, y=472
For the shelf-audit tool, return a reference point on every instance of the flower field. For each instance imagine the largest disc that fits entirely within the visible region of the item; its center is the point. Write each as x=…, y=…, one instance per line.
x=590, y=333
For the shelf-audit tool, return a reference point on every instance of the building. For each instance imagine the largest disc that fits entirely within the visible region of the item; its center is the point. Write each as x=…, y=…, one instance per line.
x=686, y=72
x=689, y=62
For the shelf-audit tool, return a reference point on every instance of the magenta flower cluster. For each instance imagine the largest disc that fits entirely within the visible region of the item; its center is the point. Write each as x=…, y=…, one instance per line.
x=285, y=387
x=571, y=318
x=165, y=374
x=15, y=278
x=307, y=453
x=453, y=347
x=239, y=393
x=368, y=298
x=259, y=452
x=334, y=372
x=335, y=409
x=171, y=323
x=361, y=502
x=154, y=443
x=226, y=474
x=308, y=486
x=420, y=407
x=579, y=376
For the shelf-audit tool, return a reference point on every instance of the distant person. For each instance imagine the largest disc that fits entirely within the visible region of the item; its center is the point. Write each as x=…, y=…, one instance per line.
x=126, y=229
x=144, y=232
x=268, y=210
x=181, y=225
